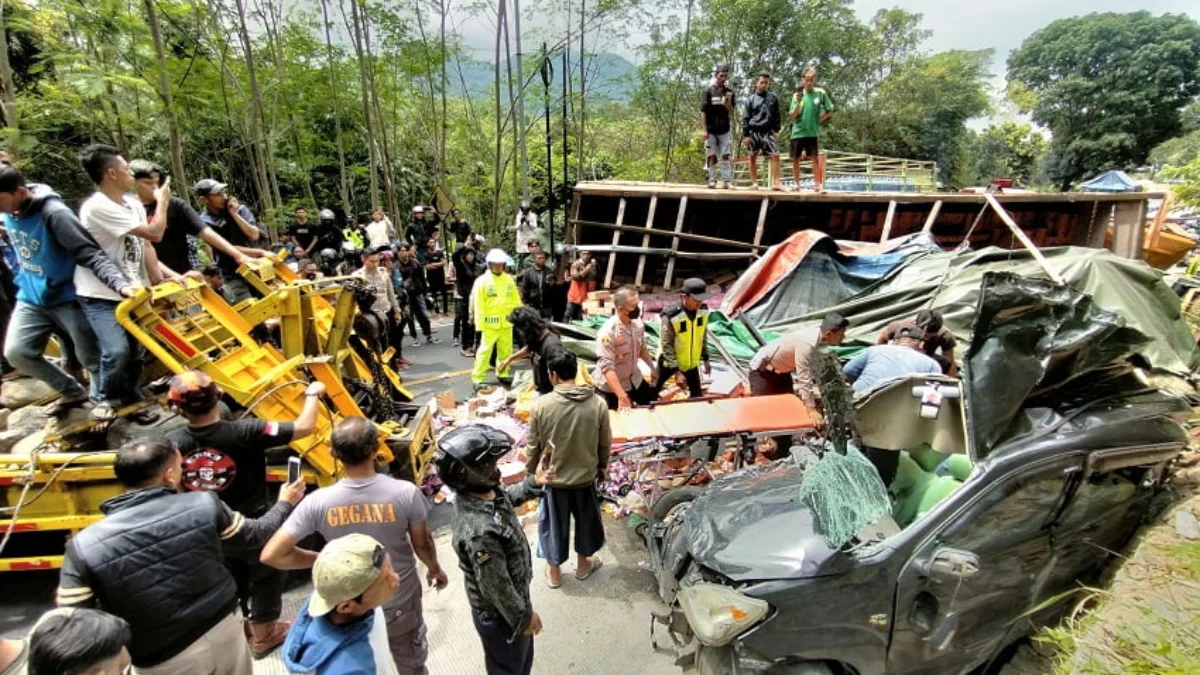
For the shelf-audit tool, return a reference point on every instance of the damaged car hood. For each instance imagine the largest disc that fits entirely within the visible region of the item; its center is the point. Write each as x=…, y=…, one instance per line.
x=751, y=525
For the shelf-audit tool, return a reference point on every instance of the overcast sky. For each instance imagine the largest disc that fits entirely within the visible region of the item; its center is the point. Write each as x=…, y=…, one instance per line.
x=956, y=24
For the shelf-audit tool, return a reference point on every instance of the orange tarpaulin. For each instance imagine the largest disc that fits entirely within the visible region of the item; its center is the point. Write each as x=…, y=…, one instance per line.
x=723, y=417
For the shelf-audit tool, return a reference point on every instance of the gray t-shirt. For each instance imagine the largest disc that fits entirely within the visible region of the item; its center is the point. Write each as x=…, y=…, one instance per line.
x=381, y=507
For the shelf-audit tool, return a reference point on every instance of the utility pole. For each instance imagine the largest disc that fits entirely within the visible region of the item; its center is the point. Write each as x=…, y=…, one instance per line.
x=547, y=68
x=521, y=105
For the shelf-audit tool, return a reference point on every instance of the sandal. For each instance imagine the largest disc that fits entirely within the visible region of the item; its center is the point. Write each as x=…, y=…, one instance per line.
x=103, y=412
x=596, y=564
x=550, y=583
x=145, y=416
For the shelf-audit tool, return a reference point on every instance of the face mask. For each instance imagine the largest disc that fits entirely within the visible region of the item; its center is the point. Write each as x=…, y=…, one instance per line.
x=311, y=276
x=634, y=313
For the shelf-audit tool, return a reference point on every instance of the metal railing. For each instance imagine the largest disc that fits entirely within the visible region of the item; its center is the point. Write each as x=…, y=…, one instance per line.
x=850, y=171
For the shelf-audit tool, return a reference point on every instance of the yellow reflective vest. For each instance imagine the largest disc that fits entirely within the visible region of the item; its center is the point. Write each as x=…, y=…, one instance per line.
x=354, y=236
x=493, y=298
x=689, y=335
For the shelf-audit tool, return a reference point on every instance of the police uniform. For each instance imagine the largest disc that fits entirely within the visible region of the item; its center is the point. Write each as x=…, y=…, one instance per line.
x=683, y=343
x=497, y=570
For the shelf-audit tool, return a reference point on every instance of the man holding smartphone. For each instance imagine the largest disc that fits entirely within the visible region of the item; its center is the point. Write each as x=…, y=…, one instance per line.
x=227, y=457
x=233, y=221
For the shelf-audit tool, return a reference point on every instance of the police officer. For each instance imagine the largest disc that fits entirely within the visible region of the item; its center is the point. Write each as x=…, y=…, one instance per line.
x=491, y=546
x=493, y=298
x=683, y=345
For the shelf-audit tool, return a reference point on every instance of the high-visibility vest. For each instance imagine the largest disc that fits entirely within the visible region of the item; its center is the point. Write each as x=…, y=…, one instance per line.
x=496, y=297
x=689, y=335
x=354, y=236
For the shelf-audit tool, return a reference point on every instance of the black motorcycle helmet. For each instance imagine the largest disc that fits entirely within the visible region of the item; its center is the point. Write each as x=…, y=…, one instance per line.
x=467, y=456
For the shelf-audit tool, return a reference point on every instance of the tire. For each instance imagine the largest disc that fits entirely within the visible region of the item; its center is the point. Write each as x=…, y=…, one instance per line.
x=810, y=668
x=667, y=503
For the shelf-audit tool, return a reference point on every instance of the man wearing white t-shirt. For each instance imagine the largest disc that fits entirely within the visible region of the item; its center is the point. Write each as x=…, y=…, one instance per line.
x=117, y=220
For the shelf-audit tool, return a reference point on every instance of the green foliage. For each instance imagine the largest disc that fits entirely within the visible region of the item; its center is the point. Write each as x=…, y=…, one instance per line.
x=1109, y=86
x=1188, y=192
x=1007, y=150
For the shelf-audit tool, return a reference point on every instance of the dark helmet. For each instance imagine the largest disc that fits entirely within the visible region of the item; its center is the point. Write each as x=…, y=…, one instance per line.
x=467, y=456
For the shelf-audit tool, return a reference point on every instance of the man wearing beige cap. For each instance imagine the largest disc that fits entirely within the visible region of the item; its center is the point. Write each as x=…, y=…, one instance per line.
x=340, y=629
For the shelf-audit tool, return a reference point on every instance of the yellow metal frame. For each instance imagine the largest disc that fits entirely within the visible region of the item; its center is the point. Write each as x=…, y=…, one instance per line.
x=186, y=325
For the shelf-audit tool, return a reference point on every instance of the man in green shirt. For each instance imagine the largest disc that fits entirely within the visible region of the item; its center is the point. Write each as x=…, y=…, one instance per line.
x=811, y=107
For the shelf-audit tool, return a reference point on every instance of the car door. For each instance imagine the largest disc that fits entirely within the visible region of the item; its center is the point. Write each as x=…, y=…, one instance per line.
x=964, y=587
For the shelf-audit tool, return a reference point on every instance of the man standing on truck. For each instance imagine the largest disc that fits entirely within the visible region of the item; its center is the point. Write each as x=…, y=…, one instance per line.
x=233, y=221
x=810, y=108
x=760, y=130
x=716, y=107
x=50, y=242
x=228, y=457
x=391, y=511
x=155, y=560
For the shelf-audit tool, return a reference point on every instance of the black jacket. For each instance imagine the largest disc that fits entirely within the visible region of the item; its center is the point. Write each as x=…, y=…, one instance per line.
x=156, y=560
x=465, y=273
x=494, y=555
x=533, y=285
x=762, y=114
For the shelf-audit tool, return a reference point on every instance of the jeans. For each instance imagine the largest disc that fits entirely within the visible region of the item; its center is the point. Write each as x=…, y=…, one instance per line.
x=120, y=354
x=416, y=303
x=717, y=146
x=236, y=290
x=30, y=327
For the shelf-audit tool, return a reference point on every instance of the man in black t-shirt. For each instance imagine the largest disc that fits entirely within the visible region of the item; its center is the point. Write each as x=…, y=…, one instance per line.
x=716, y=105
x=434, y=260
x=412, y=272
x=458, y=227
x=227, y=457
x=304, y=234
x=182, y=221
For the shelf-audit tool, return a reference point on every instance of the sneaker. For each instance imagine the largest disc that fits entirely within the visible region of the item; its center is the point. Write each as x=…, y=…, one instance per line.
x=455, y=342
x=469, y=353
x=432, y=340
x=711, y=185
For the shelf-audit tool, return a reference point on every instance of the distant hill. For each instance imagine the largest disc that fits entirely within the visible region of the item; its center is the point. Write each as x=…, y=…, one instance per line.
x=609, y=76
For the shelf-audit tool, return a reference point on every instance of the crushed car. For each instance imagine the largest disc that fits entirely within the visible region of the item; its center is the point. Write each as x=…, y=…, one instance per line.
x=1004, y=491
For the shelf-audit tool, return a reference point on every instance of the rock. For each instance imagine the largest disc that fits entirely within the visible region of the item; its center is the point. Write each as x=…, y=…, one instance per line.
x=4, y=413
x=22, y=391
x=9, y=439
x=1186, y=524
x=29, y=419
x=27, y=445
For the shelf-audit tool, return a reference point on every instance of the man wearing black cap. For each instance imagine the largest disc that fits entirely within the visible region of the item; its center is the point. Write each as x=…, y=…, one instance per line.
x=228, y=457
x=237, y=225
x=716, y=105
x=682, y=342
x=885, y=362
x=773, y=366
x=936, y=336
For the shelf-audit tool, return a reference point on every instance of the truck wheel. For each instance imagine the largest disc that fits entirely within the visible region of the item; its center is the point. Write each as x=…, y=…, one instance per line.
x=809, y=668
x=667, y=503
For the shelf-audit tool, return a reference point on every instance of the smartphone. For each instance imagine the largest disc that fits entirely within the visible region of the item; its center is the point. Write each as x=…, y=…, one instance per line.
x=293, y=469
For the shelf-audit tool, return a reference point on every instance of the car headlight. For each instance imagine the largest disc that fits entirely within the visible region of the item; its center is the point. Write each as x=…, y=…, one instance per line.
x=718, y=613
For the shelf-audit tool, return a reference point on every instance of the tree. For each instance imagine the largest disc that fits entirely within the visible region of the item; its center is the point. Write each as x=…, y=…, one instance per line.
x=1006, y=150
x=1188, y=191
x=1108, y=86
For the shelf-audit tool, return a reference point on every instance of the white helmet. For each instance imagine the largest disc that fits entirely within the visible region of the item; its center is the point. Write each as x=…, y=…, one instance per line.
x=496, y=257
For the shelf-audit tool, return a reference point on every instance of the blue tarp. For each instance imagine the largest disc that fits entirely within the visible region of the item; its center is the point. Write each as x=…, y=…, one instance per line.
x=1111, y=181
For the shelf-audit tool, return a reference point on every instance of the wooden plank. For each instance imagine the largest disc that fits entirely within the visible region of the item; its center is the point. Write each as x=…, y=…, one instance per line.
x=675, y=243
x=887, y=221
x=1159, y=218
x=612, y=257
x=1024, y=239
x=687, y=236
x=1129, y=222
x=933, y=214
x=637, y=280
x=762, y=221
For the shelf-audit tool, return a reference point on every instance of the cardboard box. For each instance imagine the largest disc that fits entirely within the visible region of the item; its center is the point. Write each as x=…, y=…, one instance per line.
x=593, y=308
x=601, y=296
x=446, y=401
